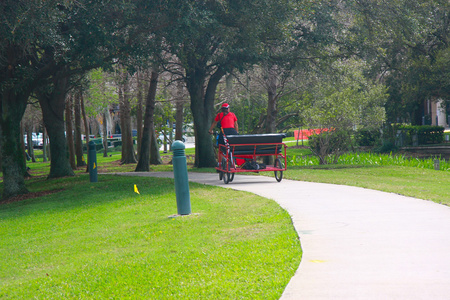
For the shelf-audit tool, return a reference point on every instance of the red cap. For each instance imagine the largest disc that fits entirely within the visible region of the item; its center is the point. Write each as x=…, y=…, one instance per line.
x=225, y=105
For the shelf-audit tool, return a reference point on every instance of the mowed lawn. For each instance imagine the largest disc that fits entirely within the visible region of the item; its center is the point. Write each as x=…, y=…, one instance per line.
x=103, y=240
x=419, y=183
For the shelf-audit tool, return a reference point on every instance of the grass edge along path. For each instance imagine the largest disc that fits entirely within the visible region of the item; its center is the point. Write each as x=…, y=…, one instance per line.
x=414, y=182
x=103, y=240
x=363, y=170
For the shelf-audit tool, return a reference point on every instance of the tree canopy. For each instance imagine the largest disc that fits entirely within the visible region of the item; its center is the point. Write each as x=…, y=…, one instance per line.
x=407, y=43
x=46, y=46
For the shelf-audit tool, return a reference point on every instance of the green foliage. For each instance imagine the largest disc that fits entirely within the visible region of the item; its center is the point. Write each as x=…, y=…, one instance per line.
x=367, y=137
x=329, y=145
x=345, y=98
x=426, y=134
x=407, y=42
x=372, y=159
x=228, y=34
x=101, y=92
x=340, y=101
x=387, y=146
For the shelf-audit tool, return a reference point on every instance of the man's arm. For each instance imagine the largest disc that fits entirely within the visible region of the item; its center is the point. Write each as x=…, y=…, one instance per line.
x=214, y=123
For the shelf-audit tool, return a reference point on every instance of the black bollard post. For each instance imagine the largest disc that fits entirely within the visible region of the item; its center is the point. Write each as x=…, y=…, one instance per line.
x=92, y=162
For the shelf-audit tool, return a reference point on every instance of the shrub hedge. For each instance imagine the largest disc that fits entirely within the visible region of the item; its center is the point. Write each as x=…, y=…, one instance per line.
x=426, y=134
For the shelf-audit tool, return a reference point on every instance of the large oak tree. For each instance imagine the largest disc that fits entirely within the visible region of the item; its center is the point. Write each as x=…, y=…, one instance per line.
x=43, y=44
x=26, y=34
x=211, y=39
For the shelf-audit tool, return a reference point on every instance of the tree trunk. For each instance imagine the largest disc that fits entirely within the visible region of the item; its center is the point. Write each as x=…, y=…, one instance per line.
x=128, y=155
x=86, y=125
x=53, y=105
x=148, y=154
x=139, y=117
x=78, y=132
x=69, y=132
x=271, y=107
x=44, y=144
x=272, y=101
x=30, y=149
x=202, y=107
x=155, y=157
x=120, y=94
x=105, y=134
x=13, y=105
x=22, y=146
x=179, y=114
x=85, y=120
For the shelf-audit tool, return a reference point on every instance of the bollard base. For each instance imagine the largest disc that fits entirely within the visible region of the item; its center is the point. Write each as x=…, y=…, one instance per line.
x=176, y=216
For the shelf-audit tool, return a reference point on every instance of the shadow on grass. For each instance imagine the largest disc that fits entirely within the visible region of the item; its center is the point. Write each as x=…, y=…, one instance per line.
x=70, y=193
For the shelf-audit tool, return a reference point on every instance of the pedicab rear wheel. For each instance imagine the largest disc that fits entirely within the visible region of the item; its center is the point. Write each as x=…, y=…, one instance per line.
x=226, y=178
x=278, y=174
x=231, y=176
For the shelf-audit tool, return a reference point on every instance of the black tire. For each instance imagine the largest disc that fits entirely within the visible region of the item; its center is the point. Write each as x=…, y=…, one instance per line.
x=220, y=167
x=225, y=175
x=278, y=174
x=226, y=178
x=231, y=177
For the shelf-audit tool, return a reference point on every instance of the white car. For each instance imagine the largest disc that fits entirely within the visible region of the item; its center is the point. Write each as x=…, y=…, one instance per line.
x=161, y=138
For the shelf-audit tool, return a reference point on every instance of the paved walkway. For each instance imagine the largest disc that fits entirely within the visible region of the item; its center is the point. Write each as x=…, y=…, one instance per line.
x=357, y=243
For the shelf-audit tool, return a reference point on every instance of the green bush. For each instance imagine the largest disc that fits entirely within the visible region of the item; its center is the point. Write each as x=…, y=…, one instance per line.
x=365, y=137
x=386, y=147
x=329, y=145
x=426, y=134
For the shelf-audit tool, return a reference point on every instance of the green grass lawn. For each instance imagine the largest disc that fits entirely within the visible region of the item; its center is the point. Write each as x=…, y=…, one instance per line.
x=421, y=183
x=103, y=240
x=389, y=175
x=414, y=182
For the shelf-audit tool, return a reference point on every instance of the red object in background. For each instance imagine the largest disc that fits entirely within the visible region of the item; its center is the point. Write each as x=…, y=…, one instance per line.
x=306, y=133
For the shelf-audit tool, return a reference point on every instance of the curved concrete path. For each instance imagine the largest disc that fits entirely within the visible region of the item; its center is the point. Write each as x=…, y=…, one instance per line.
x=357, y=243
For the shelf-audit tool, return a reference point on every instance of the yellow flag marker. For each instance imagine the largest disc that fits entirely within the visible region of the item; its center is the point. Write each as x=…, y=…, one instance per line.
x=94, y=166
x=136, y=190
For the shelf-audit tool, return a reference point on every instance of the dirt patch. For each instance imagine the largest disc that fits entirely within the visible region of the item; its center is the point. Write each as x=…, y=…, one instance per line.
x=29, y=196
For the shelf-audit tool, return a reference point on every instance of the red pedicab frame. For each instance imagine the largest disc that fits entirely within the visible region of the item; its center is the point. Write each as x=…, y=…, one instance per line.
x=231, y=154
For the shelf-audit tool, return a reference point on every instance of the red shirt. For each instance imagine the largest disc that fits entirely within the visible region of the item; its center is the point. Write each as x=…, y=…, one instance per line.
x=227, y=121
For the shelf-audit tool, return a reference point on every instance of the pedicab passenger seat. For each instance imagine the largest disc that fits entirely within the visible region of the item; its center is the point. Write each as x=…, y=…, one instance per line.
x=258, y=144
